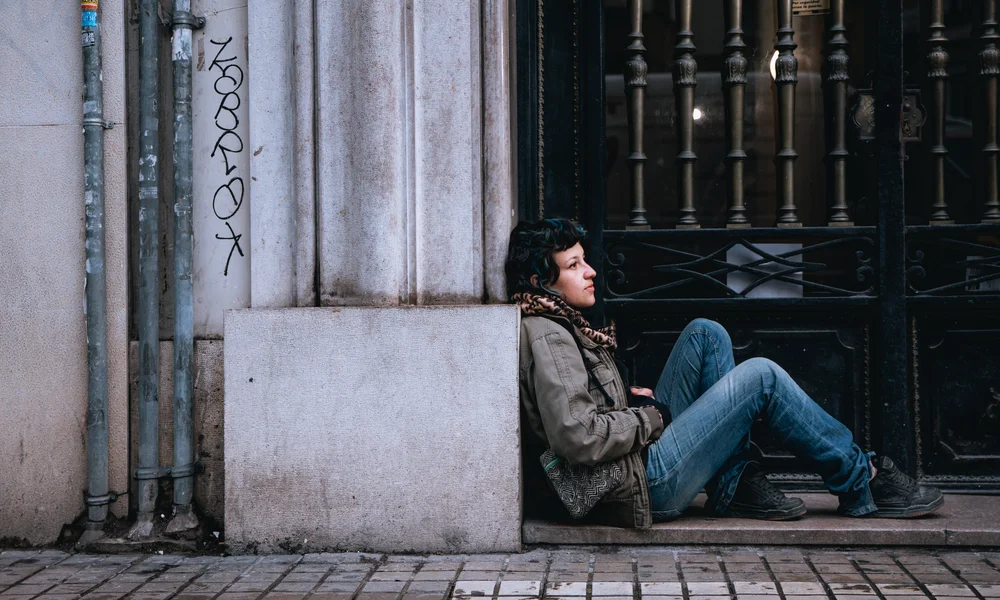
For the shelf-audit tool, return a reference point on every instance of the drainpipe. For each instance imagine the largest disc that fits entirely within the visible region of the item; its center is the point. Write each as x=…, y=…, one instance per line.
x=149, y=247
x=98, y=496
x=183, y=468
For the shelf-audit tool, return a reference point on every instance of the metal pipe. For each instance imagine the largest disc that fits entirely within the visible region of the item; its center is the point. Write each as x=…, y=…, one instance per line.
x=685, y=79
x=937, y=72
x=786, y=76
x=98, y=498
x=989, y=68
x=735, y=76
x=183, y=467
x=149, y=269
x=837, y=77
x=635, y=86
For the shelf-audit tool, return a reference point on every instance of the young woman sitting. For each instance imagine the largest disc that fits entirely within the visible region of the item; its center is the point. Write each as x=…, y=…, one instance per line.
x=646, y=453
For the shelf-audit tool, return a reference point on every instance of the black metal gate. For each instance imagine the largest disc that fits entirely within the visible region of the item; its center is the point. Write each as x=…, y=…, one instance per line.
x=819, y=175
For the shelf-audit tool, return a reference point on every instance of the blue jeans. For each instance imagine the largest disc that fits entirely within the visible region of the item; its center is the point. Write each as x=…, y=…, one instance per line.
x=713, y=403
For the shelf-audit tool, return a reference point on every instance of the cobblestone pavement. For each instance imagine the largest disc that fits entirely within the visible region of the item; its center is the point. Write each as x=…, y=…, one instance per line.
x=617, y=573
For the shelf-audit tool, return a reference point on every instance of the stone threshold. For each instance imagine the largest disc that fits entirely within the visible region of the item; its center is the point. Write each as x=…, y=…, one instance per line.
x=964, y=520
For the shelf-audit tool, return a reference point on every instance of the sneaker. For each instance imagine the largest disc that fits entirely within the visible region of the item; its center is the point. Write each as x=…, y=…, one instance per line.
x=758, y=498
x=897, y=495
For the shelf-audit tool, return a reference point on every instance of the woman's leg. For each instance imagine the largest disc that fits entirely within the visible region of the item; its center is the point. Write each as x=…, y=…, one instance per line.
x=702, y=356
x=702, y=439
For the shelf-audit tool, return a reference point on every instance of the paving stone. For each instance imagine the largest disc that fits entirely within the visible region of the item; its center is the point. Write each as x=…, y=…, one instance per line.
x=801, y=588
x=899, y=589
x=756, y=597
x=291, y=596
x=850, y=588
x=706, y=588
x=243, y=596
x=59, y=597
x=336, y=587
x=474, y=588
x=754, y=588
x=608, y=588
x=432, y=574
x=843, y=577
x=519, y=588
x=949, y=590
x=660, y=589
x=383, y=587
x=988, y=590
x=409, y=596
x=663, y=598
x=428, y=587
x=565, y=588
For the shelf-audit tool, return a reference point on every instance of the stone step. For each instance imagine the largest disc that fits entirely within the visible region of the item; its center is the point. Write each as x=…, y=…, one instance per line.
x=964, y=520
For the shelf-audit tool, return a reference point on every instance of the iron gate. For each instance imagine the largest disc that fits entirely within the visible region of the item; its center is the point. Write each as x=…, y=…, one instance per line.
x=821, y=177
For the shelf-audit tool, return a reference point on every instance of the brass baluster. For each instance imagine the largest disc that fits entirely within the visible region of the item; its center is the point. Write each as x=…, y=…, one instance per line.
x=685, y=79
x=735, y=81
x=937, y=72
x=635, y=86
x=837, y=78
x=990, y=68
x=786, y=76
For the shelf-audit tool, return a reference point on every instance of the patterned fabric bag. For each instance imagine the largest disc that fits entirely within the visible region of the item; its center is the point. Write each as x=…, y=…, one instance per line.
x=580, y=487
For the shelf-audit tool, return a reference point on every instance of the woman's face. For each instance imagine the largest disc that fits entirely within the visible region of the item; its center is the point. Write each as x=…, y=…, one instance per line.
x=576, y=278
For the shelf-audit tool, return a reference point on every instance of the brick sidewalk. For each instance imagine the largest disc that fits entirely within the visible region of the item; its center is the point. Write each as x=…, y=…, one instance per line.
x=624, y=573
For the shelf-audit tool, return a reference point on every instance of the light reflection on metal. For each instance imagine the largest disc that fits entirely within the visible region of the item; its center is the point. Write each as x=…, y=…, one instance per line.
x=837, y=78
x=635, y=89
x=685, y=80
x=989, y=68
x=735, y=81
x=937, y=72
x=786, y=71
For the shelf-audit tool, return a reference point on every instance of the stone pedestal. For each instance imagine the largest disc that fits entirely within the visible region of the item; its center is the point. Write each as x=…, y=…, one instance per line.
x=372, y=428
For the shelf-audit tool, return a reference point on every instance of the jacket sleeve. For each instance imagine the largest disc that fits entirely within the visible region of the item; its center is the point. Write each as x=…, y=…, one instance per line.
x=573, y=427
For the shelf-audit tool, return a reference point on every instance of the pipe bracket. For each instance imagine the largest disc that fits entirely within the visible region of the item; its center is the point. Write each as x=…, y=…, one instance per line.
x=187, y=470
x=103, y=500
x=152, y=473
x=186, y=19
x=98, y=122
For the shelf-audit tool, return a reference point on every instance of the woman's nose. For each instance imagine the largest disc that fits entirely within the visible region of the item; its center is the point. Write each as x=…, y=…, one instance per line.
x=590, y=273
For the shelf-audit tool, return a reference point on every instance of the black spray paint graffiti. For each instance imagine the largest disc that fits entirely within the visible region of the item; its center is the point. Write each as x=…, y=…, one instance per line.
x=228, y=197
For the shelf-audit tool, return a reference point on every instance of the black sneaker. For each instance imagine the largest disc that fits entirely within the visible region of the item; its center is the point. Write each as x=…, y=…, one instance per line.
x=758, y=498
x=897, y=495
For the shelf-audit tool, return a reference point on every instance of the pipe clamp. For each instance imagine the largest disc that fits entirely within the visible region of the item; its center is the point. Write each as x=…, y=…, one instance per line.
x=98, y=122
x=186, y=19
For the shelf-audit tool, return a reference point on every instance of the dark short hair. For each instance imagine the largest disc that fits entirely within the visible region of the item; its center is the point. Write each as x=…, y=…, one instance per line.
x=530, y=253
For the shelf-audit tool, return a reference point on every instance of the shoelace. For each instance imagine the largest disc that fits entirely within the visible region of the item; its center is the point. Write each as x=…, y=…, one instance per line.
x=763, y=489
x=899, y=479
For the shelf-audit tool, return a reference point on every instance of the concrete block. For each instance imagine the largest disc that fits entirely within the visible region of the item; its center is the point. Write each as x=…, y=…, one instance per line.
x=372, y=428
x=208, y=406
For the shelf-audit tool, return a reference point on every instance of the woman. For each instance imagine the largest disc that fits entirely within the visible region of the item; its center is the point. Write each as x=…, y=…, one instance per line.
x=690, y=433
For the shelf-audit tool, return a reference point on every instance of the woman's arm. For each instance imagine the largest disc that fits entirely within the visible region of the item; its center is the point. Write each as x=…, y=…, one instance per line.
x=574, y=428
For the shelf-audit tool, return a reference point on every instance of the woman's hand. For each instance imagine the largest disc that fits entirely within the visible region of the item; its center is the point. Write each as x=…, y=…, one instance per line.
x=641, y=391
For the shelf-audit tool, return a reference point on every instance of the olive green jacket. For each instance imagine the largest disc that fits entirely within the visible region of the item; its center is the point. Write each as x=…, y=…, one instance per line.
x=563, y=409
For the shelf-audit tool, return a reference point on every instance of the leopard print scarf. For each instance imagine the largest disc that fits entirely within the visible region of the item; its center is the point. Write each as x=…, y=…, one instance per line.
x=536, y=304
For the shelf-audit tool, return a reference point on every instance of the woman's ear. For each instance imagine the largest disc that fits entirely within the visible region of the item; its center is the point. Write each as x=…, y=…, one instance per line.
x=534, y=280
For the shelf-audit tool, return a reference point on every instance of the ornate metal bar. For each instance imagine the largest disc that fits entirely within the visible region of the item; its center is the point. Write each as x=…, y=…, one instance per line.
x=786, y=76
x=635, y=86
x=837, y=78
x=937, y=72
x=735, y=81
x=685, y=79
x=990, y=68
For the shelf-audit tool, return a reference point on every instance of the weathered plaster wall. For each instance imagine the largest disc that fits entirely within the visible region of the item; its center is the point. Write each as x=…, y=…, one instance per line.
x=43, y=375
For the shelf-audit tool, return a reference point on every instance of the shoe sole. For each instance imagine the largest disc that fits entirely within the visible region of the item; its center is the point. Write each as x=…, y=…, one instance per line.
x=766, y=515
x=909, y=512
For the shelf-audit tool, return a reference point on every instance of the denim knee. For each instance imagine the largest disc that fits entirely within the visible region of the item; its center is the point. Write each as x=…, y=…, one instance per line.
x=717, y=332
